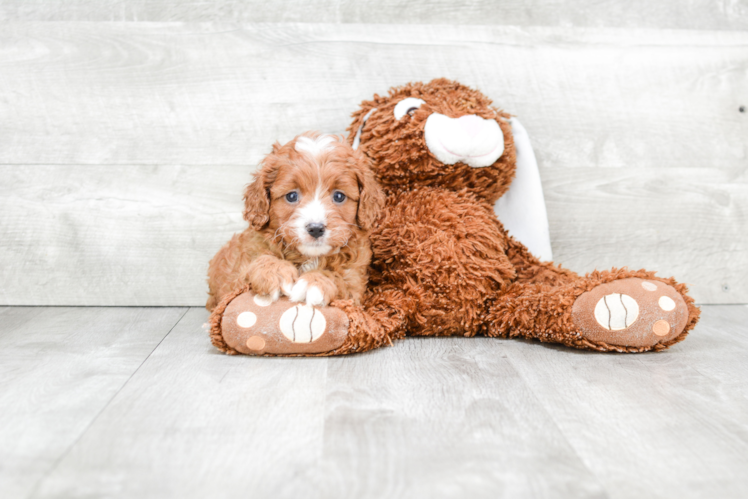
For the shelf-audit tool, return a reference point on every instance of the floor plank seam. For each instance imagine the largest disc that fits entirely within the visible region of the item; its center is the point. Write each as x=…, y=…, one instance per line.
x=34, y=490
x=560, y=429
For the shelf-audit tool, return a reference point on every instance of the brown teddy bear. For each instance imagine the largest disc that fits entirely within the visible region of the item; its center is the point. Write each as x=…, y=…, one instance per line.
x=442, y=262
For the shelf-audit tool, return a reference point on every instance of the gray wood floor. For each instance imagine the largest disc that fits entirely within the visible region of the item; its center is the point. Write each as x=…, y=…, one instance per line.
x=122, y=402
x=129, y=128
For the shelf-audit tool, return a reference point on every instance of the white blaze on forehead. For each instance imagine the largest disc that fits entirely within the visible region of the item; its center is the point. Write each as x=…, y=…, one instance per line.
x=313, y=212
x=314, y=146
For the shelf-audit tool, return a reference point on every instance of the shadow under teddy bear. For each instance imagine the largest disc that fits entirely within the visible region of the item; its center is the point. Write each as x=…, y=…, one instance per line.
x=443, y=264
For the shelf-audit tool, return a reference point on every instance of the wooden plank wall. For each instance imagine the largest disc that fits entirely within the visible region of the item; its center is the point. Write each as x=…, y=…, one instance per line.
x=128, y=129
x=666, y=14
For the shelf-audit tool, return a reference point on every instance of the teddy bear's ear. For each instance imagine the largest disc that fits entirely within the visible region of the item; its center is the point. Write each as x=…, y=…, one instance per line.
x=371, y=196
x=521, y=209
x=360, y=117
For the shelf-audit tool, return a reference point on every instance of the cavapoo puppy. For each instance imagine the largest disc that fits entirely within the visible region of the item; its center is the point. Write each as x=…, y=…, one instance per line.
x=310, y=209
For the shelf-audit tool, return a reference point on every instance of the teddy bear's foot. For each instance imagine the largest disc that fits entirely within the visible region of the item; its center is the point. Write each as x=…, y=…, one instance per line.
x=253, y=324
x=631, y=312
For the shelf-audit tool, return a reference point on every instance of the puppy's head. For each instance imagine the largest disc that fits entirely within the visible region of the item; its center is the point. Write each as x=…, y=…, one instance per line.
x=313, y=194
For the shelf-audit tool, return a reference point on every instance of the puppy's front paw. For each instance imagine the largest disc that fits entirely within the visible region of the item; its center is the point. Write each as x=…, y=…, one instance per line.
x=315, y=289
x=270, y=276
x=298, y=291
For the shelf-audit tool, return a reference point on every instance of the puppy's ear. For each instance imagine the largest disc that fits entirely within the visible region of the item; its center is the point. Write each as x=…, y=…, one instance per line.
x=257, y=204
x=257, y=194
x=371, y=196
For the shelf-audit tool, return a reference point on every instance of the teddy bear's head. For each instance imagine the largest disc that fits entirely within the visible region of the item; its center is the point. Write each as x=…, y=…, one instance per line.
x=440, y=133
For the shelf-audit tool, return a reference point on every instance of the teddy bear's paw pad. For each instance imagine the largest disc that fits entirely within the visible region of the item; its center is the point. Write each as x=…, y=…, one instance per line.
x=302, y=323
x=254, y=324
x=630, y=312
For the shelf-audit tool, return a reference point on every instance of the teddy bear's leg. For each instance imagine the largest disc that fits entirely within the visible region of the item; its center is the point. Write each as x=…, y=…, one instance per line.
x=618, y=310
x=246, y=323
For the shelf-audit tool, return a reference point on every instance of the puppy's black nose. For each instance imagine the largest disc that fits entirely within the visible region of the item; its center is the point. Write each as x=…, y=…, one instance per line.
x=316, y=230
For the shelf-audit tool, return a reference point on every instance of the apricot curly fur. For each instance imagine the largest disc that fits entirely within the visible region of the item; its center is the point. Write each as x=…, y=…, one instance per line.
x=543, y=311
x=439, y=242
x=442, y=263
x=398, y=151
x=268, y=252
x=214, y=321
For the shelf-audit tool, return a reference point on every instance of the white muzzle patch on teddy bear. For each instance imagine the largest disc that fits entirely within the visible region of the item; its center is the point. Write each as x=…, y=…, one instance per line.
x=469, y=139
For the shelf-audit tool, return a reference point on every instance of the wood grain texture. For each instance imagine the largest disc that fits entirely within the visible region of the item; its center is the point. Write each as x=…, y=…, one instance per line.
x=723, y=338
x=673, y=14
x=686, y=223
x=194, y=422
x=114, y=235
x=671, y=424
x=127, y=145
x=59, y=368
x=449, y=417
x=143, y=235
x=442, y=418
x=216, y=94
x=436, y=418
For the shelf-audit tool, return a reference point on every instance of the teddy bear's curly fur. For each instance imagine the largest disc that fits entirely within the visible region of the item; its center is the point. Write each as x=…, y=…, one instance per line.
x=444, y=265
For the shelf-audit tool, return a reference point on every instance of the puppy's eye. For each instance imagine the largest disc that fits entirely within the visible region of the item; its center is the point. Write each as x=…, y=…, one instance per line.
x=407, y=106
x=338, y=197
x=292, y=197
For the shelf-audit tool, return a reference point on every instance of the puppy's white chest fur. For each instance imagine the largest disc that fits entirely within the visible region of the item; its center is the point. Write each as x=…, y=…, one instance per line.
x=309, y=265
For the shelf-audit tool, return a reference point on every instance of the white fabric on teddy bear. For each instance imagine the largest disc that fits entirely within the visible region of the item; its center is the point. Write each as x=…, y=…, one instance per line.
x=522, y=208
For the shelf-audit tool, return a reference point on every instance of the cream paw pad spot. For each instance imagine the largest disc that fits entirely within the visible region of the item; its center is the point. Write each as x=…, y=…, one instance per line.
x=254, y=324
x=630, y=312
x=616, y=311
x=302, y=323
